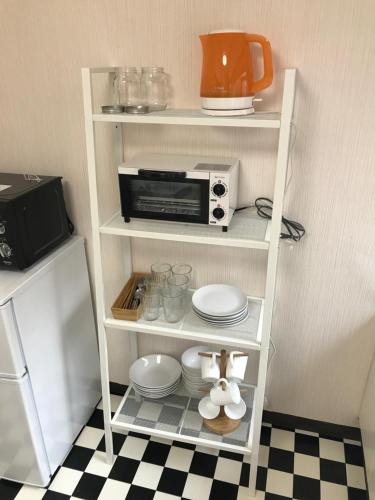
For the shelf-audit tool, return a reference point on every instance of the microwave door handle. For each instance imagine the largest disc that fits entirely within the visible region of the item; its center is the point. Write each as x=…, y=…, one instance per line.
x=161, y=175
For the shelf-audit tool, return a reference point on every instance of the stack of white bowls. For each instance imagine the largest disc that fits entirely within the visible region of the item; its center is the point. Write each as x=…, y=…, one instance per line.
x=191, y=371
x=155, y=376
x=220, y=305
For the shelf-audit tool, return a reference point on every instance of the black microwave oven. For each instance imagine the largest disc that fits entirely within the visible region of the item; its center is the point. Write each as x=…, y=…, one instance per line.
x=33, y=218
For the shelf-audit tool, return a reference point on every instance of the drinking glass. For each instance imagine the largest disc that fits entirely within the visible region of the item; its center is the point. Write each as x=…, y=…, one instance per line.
x=180, y=280
x=151, y=303
x=160, y=272
x=182, y=269
x=173, y=303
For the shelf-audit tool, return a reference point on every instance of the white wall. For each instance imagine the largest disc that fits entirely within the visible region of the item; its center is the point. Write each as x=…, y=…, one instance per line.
x=324, y=308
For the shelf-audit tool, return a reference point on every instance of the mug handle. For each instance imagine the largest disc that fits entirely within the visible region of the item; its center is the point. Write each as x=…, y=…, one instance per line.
x=224, y=380
x=267, y=62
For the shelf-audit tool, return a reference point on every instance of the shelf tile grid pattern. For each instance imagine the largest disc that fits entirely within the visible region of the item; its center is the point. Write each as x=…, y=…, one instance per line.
x=293, y=464
x=178, y=414
x=246, y=333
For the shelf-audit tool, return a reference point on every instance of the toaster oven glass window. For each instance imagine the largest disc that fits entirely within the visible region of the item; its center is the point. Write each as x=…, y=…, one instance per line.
x=170, y=198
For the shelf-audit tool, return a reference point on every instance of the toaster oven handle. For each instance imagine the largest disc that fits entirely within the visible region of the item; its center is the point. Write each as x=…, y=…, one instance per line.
x=161, y=174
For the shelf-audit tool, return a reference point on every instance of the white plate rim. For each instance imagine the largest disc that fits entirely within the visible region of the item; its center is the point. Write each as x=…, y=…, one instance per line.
x=197, y=299
x=223, y=318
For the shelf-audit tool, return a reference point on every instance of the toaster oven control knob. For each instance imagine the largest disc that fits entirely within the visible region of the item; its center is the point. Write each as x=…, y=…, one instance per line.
x=2, y=228
x=219, y=190
x=218, y=213
x=5, y=250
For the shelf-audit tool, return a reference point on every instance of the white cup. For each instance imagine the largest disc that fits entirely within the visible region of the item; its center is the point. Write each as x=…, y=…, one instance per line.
x=210, y=367
x=236, y=367
x=225, y=396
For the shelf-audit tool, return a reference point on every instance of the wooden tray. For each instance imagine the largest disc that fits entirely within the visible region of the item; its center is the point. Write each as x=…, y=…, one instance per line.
x=120, y=306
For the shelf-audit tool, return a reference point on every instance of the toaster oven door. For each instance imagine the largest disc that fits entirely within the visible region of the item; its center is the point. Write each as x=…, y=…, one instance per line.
x=160, y=197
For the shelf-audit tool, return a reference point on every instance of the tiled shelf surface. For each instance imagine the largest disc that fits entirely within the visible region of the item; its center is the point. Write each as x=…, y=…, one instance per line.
x=246, y=230
x=177, y=417
x=246, y=335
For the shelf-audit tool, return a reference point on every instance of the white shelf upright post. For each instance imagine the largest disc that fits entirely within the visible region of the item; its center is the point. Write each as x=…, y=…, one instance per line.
x=278, y=198
x=98, y=268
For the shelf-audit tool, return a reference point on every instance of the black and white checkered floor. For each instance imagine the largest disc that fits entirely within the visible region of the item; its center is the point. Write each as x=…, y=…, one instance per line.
x=294, y=464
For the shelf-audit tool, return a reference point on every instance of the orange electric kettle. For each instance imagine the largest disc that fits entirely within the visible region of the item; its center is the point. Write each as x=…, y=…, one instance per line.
x=228, y=86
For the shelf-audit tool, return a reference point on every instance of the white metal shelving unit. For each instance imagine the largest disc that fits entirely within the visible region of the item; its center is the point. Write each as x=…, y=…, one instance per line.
x=245, y=231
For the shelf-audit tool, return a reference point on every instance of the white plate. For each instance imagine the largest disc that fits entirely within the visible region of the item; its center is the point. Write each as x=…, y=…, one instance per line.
x=226, y=323
x=155, y=371
x=190, y=358
x=235, y=411
x=207, y=409
x=231, y=325
x=156, y=396
x=219, y=300
x=232, y=320
x=223, y=318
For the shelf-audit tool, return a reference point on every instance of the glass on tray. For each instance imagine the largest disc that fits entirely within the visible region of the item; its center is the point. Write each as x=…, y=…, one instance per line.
x=173, y=303
x=182, y=269
x=160, y=272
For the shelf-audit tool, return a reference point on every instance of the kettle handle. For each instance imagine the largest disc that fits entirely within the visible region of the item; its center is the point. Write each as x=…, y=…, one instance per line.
x=267, y=62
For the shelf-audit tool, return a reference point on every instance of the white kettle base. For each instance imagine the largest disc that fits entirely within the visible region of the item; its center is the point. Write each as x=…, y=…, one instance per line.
x=227, y=106
x=228, y=112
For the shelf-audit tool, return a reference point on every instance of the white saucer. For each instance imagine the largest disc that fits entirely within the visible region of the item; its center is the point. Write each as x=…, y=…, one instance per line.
x=207, y=409
x=235, y=411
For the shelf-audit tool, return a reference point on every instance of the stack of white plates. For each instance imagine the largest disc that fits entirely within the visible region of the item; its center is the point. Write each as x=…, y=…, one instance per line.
x=191, y=371
x=220, y=305
x=155, y=376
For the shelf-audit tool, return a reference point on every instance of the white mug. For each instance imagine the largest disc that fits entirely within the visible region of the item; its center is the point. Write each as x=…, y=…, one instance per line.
x=210, y=367
x=227, y=395
x=236, y=367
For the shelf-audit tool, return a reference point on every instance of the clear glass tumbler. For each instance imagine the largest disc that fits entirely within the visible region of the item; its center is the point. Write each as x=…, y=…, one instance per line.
x=182, y=269
x=173, y=303
x=181, y=281
x=129, y=86
x=160, y=272
x=151, y=303
x=154, y=88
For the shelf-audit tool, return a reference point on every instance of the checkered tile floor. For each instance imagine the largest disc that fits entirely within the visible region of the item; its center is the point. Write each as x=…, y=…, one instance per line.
x=293, y=464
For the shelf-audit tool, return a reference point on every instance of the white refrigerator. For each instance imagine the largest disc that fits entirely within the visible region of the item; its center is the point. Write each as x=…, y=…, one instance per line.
x=49, y=367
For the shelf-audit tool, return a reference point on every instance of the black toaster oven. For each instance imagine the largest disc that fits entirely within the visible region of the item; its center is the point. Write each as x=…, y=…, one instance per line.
x=33, y=218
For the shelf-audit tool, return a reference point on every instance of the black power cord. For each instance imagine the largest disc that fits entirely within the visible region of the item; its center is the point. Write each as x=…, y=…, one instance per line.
x=295, y=230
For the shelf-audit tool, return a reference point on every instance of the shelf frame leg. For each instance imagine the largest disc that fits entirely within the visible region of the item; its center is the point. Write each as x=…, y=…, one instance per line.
x=278, y=198
x=98, y=268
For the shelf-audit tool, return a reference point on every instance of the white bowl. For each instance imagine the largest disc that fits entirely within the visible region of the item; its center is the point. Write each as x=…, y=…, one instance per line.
x=219, y=300
x=163, y=389
x=207, y=409
x=155, y=371
x=235, y=411
x=190, y=358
